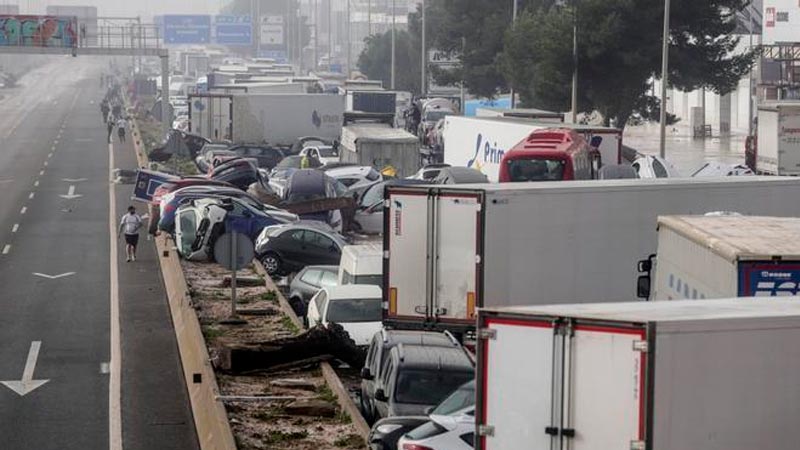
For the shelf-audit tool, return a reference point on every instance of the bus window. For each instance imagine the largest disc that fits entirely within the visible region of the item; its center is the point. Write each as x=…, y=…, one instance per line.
x=536, y=169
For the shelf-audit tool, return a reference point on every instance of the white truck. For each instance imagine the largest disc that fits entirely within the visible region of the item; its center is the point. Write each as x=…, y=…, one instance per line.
x=361, y=264
x=702, y=257
x=778, y=150
x=379, y=145
x=450, y=250
x=712, y=375
x=278, y=119
x=481, y=142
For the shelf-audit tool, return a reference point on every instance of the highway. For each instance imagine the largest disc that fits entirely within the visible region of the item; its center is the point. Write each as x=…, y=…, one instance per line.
x=88, y=357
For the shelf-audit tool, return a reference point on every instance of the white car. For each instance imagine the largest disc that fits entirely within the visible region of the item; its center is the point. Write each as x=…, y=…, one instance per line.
x=195, y=224
x=716, y=169
x=443, y=432
x=325, y=154
x=356, y=179
x=356, y=307
x=429, y=172
x=649, y=166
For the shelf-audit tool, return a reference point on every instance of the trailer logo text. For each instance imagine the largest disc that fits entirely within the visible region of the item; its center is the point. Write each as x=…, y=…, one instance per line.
x=398, y=218
x=490, y=153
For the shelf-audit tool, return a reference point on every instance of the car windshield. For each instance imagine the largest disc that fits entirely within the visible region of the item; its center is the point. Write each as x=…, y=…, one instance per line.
x=460, y=398
x=433, y=116
x=428, y=387
x=355, y=310
x=536, y=169
x=327, y=152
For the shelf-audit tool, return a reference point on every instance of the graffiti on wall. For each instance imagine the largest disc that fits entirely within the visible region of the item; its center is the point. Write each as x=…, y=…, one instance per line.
x=38, y=31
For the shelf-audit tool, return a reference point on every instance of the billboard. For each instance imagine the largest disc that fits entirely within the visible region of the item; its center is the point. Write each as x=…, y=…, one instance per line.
x=38, y=31
x=272, y=32
x=187, y=29
x=233, y=30
x=781, y=22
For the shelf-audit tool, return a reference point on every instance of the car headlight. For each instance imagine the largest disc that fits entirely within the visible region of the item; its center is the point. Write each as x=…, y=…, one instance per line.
x=388, y=428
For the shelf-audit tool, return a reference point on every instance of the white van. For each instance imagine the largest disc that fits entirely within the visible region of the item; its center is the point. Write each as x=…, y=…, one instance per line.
x=361, y=264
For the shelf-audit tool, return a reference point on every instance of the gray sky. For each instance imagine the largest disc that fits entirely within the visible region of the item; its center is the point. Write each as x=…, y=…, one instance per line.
x=144, y=8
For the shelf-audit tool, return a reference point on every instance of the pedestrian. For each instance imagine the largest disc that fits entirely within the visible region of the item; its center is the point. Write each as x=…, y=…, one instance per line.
x=130, y=225
x=104, y=110
x=122, y=125
x=110, y=125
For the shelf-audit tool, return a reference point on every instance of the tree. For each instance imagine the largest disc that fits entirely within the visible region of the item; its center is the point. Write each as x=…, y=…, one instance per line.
x=375, y=60
x=619, y=53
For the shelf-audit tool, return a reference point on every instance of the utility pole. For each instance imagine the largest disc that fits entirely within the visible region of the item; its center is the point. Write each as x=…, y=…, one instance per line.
x=513, y=23
x=575, y=61
x=349, y=46
x=394, y=24
x=330, y=34
x=316, y=35
x=423, y=86
x=750, y=84
x=664, y=81
x=369, y=18
x=258, y=16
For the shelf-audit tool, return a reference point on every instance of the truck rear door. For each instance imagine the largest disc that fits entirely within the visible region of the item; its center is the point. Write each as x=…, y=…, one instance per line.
x=788, y=141
x=457, y=257
x=406, y=237
x=769, y=279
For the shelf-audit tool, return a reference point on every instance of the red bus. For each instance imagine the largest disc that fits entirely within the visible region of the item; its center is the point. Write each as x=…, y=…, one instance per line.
x=550, y=154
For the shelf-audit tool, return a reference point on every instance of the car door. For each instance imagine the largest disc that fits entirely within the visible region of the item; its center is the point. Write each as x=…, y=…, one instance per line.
x=291, y=245
x=320, y=249
x=309, y=283
x=381, y=407
x=315, y=309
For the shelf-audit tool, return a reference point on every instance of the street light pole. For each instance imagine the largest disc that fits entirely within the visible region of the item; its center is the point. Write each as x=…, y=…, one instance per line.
x=394, y=24
x=423, y=86
x=574, y=103
x=513, y=22
x=750, y=82
x=349, y=46
x=664, y=81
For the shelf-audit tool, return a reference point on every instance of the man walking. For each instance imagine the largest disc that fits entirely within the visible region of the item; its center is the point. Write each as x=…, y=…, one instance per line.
x=122, y=124
x=130, y=225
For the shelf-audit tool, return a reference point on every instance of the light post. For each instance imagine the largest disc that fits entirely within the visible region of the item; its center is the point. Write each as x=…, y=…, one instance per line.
x=423, y=86
x=664, y=81
x=574, y=103
x=513, y=23
x=394, y=25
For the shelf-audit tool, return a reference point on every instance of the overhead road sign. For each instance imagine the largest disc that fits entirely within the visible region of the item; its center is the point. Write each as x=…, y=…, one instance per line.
x=233, y=30
x=187, y=29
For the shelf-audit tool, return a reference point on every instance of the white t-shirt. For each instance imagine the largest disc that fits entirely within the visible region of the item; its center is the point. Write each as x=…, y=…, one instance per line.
x=131, y=223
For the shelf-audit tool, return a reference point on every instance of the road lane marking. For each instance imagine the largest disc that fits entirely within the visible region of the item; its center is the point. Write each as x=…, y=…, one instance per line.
x=7, y=180
x=45, y=163
x=6, y=249
x=41, y=172
x=27, y=384
x=15, y=228
x=30, y=196
x=36, y=183
x=53, y=148
x=71, y=195
x=105, y=368
x=53, y=277
x=23, y=210
x=114, y=391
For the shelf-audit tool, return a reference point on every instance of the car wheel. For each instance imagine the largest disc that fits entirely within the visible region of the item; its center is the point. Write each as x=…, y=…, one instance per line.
x=272, y=263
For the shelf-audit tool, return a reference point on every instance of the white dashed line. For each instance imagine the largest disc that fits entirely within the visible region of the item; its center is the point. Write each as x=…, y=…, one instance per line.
x=50, y=155
x=6, y=249
x=36, y=183
x=23, y=210
x=53, y=148
x=41, y=172
x=55, y=142
x=30, y=196
x=15, y=228
x=45, y=163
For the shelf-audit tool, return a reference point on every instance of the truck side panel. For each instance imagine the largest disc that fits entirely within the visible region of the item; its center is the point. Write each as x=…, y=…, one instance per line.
x=687, y=270
x=281, y=119
x=768, y=278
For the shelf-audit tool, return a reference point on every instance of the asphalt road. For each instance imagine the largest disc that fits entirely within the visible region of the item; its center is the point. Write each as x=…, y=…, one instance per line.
x=56, y=283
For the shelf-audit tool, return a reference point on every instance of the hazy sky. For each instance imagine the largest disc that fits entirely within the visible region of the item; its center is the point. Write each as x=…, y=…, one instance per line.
x=106, y=8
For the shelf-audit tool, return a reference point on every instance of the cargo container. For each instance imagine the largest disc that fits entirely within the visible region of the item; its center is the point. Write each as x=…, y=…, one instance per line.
x=725, y=256
x=778, y=151
x=481, y=142
x=380, y=146
x=449, y=250
x=711, y=375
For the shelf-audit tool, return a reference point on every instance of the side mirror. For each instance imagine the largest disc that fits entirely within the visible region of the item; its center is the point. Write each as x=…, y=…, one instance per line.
x=380, y=395
x=366, y=374
x=429, y=410
x=643, y=287
x=645, y=265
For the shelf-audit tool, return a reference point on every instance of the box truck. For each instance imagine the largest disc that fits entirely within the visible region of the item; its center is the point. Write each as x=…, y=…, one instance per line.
x=481, y=142
x=379, y=145
x=278, y=119
x=778, y=151
x=710, y=375
x=449, y=250
x=702, y=257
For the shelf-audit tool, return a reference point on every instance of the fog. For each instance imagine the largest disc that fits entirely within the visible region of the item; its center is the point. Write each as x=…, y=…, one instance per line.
x=125, y=8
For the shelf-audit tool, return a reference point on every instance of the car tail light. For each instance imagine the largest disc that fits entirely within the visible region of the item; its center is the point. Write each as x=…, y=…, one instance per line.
x=415, y=447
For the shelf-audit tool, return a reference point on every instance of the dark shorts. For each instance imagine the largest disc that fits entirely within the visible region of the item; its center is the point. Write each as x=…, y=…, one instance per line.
x=132, y=239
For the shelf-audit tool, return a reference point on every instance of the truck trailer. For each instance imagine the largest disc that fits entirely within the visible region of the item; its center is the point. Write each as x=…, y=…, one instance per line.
x=711, y=375
x=277, y=119
x=702, y=257
x=450, y=250
x=481, y=142
x=379, y=145
x=778, y=151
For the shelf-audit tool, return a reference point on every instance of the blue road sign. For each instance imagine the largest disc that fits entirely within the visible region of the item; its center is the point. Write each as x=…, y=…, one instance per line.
x=184, y=29
x=233, y=30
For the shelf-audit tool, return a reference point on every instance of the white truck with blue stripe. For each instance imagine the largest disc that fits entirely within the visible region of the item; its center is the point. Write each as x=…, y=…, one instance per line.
x=722, y=256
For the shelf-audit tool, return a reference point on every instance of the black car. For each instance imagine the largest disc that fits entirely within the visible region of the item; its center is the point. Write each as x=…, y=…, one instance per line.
x=267, y=157
x=240, y=172
x=284, y=249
